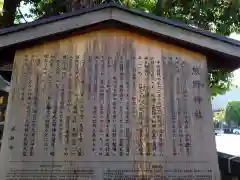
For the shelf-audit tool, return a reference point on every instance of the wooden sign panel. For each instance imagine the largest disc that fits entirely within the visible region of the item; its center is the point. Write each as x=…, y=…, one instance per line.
x=108, y=105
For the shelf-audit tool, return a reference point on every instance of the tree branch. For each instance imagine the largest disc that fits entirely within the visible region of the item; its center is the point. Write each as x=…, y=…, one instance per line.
x=22, y=15
x=9, y=11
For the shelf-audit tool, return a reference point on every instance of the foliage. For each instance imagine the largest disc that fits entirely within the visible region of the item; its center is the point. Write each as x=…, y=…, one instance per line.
x=219, y=115
x=219, y=81
x=1, y=6
x=1, y=9
x=143, y=5
x=220, y=16
x=45, y=8
x=233, y=112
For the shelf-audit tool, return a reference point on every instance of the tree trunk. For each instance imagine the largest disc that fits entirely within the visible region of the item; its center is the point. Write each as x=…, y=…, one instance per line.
x=160, y=7
x=9, y=12
x=74, y=5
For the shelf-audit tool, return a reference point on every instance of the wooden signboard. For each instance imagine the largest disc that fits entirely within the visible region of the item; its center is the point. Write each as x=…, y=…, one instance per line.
x=109, y=105
x=6, y=67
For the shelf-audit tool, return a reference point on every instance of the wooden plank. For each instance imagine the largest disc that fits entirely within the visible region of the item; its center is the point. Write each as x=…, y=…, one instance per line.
x=6, y=67
x=107, y=102
x=148, y=24
x=175, y=32
x=53, y=28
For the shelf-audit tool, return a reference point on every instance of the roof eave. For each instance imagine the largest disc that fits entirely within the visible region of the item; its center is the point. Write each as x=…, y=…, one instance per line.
x=230, y=50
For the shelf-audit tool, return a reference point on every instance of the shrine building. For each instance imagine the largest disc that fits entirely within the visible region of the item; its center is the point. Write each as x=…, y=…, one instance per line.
x=110, y=92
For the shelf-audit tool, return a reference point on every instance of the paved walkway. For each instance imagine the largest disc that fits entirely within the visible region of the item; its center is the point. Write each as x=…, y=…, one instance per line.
x=228, y=143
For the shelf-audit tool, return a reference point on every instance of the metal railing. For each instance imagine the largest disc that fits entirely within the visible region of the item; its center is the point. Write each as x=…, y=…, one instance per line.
x=229, y=166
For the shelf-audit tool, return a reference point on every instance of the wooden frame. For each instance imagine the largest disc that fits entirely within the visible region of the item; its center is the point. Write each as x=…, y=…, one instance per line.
x=186, y=35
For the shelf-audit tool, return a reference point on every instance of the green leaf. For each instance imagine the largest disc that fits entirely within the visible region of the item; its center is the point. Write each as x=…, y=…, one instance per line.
x=1, y=7
x=233, y=112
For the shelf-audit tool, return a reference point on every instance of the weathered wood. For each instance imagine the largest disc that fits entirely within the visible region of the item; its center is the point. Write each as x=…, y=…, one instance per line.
x=52, y=28
x=6, y=67
x=202, y=40
x=109, y=104
x=175, y=32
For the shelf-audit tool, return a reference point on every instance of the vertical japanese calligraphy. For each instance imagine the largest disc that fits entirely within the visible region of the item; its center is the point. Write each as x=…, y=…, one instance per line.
x=28, y=108
x=107, y=105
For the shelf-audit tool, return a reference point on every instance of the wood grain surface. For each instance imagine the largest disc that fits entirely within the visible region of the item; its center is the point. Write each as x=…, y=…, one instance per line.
x=109, y=104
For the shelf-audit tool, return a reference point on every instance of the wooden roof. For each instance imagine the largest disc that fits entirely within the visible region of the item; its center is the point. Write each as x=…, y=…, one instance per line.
x=221, y=51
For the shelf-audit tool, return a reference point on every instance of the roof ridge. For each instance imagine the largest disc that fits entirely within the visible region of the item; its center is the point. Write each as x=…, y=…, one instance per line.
x=172, y=22
x=202, y=40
